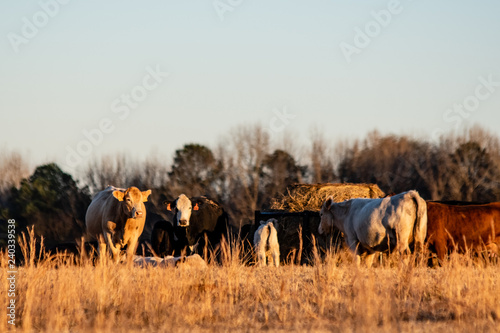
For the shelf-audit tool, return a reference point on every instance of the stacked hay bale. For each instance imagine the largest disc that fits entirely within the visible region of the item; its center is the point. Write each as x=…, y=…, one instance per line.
x=302, y=197
x=295, y=232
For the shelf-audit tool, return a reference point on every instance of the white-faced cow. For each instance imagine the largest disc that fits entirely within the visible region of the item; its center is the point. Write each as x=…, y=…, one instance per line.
x=373, y=225
x=195, y=220
x=116, y=218
x=266, y=244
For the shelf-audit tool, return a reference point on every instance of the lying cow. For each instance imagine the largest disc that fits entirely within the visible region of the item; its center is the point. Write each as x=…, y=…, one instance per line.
x=116, y=218
x=191, y=261
x=194, y=219
x=266, y=244
x=462, y=225
x=372, y=225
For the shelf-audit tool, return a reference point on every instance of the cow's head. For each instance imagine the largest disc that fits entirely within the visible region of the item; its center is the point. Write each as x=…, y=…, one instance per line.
x=326, y=224
x=132, y=201
x=182, y=208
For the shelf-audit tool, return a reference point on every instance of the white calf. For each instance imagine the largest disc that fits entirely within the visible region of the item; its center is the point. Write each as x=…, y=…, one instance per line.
x=266, y=243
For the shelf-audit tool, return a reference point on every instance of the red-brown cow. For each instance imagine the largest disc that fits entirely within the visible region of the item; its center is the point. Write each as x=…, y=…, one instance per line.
x=463, y=225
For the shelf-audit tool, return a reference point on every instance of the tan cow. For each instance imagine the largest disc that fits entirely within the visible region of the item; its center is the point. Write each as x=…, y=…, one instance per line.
x=116, y=218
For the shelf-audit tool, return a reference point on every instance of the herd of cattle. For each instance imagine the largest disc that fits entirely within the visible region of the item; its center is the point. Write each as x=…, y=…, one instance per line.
x=403, y=222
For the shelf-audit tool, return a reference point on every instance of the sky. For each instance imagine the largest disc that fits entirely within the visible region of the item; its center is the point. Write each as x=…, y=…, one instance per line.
x=82, y=79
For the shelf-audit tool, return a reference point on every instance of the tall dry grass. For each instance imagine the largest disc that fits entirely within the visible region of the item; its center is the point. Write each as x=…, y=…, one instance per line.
x=56, y=295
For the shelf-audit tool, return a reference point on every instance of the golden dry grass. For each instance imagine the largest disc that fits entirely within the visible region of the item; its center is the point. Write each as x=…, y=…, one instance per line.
x=333, y=295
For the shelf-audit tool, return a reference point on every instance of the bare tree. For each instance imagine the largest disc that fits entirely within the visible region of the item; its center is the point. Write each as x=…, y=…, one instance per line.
x=155, y=171
x=13, y=168
x=458, y=167
x=432, y=165
x=473, y=172
x=100, y=173
x=246, y=148
x=322, y=168
x=380, y=159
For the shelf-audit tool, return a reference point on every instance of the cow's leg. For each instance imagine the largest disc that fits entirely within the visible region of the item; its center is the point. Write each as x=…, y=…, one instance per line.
x=261, y=257
x=102, y=248
x=441, y=250
x=276, y=257
x=493, y=250
x=131, y=248
x=357, y=259
x=115, y=250
x=369, y=259
x=354, y=246
x=404, y=252
x=357, y=256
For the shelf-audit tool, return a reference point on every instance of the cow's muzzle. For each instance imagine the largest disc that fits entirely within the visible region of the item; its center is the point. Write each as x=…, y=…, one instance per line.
x=137, y=214
x=183, y=223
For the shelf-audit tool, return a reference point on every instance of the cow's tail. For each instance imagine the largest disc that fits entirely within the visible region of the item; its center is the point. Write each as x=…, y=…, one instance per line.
x=266, y=233
x=420, y=226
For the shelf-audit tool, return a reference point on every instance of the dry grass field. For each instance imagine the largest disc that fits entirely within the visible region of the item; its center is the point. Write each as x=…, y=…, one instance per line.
x=333, y=295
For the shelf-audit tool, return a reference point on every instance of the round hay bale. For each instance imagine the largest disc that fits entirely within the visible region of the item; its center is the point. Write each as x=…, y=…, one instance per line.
x=301, y=197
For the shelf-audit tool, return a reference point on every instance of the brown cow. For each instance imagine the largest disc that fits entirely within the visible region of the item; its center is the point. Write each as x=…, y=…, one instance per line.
x=464, y=226
x=116, y=218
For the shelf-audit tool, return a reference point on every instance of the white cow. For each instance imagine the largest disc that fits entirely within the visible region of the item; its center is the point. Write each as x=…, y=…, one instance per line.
x=266, y=244
x=372, y=225
x=194, y=260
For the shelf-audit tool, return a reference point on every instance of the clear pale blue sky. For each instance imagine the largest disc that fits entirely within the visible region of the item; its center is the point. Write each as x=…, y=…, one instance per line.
x=264, y=55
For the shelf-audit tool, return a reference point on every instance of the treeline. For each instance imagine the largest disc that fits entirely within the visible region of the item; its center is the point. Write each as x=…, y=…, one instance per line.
x=247, y=170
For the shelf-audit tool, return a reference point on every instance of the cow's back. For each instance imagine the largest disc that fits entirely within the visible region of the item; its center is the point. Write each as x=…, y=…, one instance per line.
x=446, y=220
x=363, y=214
x=462, y=225
x=211, y=219
x=373, y=220
x=101, y=208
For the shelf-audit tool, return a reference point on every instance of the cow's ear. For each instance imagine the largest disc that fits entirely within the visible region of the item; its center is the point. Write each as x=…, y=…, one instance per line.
x=328, y=203
x=119, y=195
x=167, y=203
x=145, y=195
x=111, y=225
x=196, y=207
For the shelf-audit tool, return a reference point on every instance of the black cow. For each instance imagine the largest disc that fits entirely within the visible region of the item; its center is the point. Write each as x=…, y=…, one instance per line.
x=157, y=217
x=162, y=239
x=195, y=221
